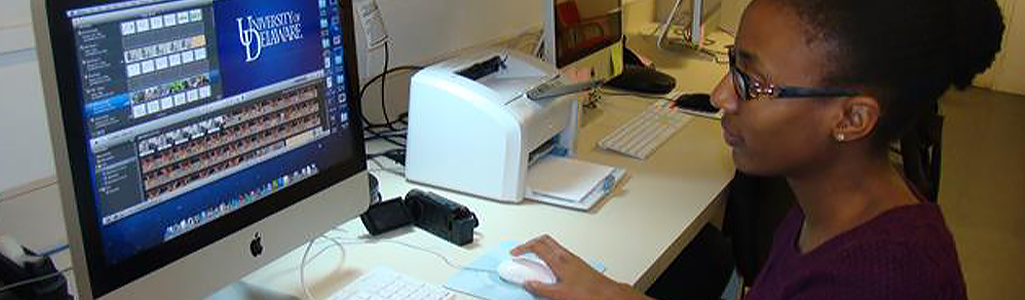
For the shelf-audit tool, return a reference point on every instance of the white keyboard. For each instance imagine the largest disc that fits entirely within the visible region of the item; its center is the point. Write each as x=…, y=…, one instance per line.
x=644, y=133
x=385, y=284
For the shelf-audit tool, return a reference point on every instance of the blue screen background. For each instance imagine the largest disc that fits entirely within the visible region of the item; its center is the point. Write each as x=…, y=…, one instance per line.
x=276, y=63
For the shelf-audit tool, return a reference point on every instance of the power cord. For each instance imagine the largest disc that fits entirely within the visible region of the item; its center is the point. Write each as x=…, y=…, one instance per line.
x=388, y=136
x=363, y=90
x=396, y=155
x=302, y=264
x=384, y=80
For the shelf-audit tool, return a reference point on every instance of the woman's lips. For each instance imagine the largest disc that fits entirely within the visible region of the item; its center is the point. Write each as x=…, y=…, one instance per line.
x=730, y=136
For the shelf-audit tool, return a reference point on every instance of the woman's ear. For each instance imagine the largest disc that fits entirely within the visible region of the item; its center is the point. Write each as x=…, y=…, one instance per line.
x=860, y=116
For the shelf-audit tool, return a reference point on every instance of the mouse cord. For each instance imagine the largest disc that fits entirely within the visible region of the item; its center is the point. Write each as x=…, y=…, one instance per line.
x=447, y=260
x=306, y=258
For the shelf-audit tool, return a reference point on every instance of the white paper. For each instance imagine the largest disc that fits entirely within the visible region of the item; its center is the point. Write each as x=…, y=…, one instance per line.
x=566, y=179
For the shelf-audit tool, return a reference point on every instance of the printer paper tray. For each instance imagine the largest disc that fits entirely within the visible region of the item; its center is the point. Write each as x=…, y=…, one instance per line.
x=570, y=183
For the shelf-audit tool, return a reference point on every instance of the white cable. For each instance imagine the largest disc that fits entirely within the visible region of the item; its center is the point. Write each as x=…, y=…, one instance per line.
x=302, y=271
x=448, y=261
x=302, y=264
x=33, y=280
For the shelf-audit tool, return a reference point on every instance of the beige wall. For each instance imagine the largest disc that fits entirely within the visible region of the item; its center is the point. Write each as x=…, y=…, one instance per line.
x=1010, y=70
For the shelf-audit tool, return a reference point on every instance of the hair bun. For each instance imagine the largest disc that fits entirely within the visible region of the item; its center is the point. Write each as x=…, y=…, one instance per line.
x=978, y=37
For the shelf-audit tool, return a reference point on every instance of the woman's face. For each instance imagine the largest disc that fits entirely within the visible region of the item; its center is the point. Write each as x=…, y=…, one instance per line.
x=775, y=136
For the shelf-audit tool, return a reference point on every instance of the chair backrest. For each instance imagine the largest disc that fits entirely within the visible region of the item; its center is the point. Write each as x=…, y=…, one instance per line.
x=921, y=151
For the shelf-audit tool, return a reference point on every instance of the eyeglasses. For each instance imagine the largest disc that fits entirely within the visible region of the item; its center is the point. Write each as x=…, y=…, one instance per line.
x=749, y=89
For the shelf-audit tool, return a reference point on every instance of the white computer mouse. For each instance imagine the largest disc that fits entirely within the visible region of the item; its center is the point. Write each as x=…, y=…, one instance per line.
x=518, y=270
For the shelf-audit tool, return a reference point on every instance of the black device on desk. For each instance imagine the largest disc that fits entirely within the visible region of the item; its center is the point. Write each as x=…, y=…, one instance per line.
x=441, y=217
x=696, y=102
x=436, y=214
x=638, y=78
x=49, y=284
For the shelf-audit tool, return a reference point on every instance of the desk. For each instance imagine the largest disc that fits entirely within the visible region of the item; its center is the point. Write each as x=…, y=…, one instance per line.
x=635, y=232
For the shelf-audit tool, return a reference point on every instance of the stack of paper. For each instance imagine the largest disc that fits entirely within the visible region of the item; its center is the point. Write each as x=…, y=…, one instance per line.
x=569, y=182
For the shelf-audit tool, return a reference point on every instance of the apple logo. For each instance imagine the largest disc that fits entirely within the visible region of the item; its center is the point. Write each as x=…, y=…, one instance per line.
x=255, y=246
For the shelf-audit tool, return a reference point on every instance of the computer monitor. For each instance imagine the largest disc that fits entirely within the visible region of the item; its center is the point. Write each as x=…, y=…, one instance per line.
x=197, y=140
x=585, y=40
x=584, y=37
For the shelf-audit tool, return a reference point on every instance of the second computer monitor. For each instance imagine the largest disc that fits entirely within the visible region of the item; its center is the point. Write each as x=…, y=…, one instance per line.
x=584, y=38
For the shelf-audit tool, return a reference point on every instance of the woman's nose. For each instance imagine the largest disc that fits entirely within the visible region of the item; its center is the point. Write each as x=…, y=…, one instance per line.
x=724, y=96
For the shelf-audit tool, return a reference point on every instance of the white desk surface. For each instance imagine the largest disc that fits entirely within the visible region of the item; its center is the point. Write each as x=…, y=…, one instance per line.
x=635, y=232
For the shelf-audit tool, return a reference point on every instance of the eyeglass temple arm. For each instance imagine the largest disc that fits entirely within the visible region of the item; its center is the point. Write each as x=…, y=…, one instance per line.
x=800, y=92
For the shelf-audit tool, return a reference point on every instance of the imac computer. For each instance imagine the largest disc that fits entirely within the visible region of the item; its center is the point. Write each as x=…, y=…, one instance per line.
x=198, y=140
x=585, y=39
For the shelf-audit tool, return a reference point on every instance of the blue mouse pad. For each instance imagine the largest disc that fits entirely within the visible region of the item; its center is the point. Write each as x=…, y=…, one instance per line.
x=481, y=280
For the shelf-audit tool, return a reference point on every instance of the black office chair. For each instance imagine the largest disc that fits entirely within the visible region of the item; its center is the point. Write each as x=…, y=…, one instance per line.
x=920, y=150
x=700, y=272
x=754, y=207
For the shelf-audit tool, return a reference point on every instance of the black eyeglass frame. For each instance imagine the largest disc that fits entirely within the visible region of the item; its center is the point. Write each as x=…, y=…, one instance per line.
x=749, y=89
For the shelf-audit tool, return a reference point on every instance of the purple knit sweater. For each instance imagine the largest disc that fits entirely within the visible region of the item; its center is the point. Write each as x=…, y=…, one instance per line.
x=906, y=253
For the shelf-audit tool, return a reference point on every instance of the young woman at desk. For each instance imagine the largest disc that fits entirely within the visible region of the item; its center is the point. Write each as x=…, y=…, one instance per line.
x=817, y=90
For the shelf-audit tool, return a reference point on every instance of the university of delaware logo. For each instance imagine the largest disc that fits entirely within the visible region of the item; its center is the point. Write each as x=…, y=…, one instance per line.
x=261, y=32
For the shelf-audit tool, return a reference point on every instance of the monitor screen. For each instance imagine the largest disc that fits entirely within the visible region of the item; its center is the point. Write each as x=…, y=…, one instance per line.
x=187, y=120
x=585, y=27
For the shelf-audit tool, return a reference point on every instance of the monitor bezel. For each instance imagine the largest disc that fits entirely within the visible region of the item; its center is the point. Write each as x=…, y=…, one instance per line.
x=104, y=279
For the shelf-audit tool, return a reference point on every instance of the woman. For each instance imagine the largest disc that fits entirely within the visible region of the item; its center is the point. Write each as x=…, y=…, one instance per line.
x=816, y=92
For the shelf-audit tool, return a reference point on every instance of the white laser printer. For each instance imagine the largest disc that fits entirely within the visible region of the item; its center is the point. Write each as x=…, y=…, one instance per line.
x=472, y=129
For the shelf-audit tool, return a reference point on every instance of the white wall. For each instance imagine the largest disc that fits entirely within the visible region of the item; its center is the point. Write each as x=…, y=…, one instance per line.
x=424, y=31
x=25, y=152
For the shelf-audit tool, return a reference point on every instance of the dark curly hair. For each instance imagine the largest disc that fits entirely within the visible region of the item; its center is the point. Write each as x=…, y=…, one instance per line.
x=905, y=53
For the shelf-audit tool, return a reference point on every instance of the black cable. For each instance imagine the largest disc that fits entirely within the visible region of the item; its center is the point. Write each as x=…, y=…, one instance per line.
x=384, y=81
x=397, y=134
x=396, y=155
x=363, y=90
x=377, y=135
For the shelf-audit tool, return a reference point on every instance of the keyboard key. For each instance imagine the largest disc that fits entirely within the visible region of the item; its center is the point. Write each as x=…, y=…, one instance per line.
x=645, y=132
x=385, y=284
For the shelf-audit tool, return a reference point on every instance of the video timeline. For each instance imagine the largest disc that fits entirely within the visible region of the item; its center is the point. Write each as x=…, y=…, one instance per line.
x=214, y=147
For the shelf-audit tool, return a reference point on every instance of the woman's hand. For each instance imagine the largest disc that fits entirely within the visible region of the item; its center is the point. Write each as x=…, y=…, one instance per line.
x=576, y=279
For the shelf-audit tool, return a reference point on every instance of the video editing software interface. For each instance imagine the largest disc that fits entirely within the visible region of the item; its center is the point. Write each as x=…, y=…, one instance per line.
x=196, y=108
x=581, y=32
